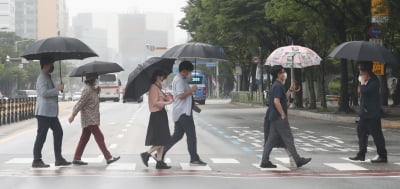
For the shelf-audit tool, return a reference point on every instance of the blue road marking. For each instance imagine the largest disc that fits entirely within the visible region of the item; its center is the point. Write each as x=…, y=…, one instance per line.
x=246, y=149
x=235, y=142
x=226, y=136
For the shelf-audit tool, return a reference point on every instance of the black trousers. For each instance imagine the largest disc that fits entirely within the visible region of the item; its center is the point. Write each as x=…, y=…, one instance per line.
x=372, y=127
x=44, y=124
x=185, y=124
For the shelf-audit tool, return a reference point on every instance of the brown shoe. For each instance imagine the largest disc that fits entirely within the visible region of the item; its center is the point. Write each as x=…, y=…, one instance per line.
x=62, y=162
x=39, y=164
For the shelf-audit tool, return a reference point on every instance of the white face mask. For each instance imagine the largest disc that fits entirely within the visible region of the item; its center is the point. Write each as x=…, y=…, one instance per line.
x=284, y=76
x=360, y=78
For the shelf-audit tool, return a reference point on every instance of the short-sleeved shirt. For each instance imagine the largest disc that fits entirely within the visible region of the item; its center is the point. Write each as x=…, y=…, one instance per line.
x=278, y=91
x=180, y=106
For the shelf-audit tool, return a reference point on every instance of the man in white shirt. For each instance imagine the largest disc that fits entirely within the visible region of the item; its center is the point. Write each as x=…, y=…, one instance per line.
x=182, y=113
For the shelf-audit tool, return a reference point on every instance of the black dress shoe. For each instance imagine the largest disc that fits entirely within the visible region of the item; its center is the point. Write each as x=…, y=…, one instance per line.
x=145, y=158
x=79, y=162
x=267, y=164
x=62, y=162
x=112, y=160
x=39, y=164
x=162, y=165
x=303, y=161
x=357, y=158
x=379, y=160
x=197, y=163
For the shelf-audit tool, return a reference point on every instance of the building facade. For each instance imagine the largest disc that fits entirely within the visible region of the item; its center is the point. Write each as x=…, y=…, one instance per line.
x=7, y=15
x=39, y=19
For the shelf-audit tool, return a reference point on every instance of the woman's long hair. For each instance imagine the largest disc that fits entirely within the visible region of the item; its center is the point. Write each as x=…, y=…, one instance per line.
x=156, y=74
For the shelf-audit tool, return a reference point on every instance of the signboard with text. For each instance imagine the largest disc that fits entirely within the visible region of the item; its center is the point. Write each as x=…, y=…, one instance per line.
x=378, y=68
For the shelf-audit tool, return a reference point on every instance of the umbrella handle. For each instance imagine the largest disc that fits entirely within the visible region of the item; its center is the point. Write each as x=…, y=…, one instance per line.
x=60, y=74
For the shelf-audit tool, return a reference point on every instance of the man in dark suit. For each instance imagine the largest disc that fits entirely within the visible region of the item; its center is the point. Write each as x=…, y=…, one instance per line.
x=370, y=115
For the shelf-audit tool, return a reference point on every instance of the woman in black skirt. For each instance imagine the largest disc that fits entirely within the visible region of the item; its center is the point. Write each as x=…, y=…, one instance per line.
x=158, y=133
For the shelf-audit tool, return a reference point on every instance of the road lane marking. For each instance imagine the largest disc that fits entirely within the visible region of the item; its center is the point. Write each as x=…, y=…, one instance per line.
x=113, y=146
x=97, y=159
x=19, y=161
x=186, y=167
x=347, y=159
x=122, y=167
x=166, y=160
x=120, y=136
x=124, y=130
x=345, y=166
x=224, y=160
x=246, y=149
x=256, y=145
x=17, y=135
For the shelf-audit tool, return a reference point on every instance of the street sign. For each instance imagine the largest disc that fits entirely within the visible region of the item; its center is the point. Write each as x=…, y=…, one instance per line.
x=375, y=31
x=378, y=68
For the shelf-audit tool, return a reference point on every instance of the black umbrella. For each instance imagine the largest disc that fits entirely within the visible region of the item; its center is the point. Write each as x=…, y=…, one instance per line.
x=139, y=80
x=195, y=51
x=363, y=51
x=96, y=67
x=58, y=48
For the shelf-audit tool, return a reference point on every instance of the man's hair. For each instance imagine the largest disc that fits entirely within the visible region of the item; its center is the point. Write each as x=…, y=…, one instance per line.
x=45, y=60
x=185, y=65
x=275, y=70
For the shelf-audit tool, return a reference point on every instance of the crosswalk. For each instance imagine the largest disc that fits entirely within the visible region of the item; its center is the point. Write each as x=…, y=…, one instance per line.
x=214, y=163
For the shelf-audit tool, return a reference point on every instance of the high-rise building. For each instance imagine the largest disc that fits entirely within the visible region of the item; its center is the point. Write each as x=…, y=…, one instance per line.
x=7, y=15
x=26, y=19
x=38, y=19
x=51, y=18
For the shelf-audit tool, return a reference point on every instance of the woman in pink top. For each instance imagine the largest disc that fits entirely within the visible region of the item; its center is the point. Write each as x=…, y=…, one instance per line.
x=158, y=133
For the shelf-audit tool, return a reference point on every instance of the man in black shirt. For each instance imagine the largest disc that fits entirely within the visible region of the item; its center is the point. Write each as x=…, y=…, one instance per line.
x=280, y=127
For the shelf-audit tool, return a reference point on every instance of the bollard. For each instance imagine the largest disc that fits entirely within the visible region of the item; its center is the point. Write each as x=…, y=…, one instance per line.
x=8, y=109
x=23, y=111
x=16, y=111
x=2, y=104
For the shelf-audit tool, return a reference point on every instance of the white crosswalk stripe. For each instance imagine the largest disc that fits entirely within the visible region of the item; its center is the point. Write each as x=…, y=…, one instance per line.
x=345, y=166
x=341, y=164
x=122, y=166
x=187, y=167
x=224, y=160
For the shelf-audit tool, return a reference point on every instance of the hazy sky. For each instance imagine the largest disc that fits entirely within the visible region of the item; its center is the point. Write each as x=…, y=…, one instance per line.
x=124, y=6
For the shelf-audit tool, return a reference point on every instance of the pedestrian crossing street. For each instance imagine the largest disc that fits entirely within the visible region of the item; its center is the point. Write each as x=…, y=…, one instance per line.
x=214, y=164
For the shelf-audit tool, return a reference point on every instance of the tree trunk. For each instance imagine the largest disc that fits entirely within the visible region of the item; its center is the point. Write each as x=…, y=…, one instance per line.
x=311, y=89
x=323, y=90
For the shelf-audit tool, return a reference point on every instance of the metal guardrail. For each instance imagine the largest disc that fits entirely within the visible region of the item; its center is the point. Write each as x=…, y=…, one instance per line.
x=17, y=109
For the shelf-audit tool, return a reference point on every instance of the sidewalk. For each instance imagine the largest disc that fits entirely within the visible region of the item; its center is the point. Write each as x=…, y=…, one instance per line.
x=391, y=119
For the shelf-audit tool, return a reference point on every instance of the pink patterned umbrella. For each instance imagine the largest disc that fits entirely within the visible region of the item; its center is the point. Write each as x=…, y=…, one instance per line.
x=293, y=56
